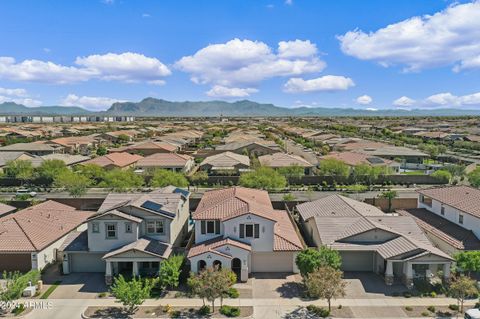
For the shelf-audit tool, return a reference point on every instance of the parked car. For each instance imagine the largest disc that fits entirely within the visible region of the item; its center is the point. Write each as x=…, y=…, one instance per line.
x=25, y=191
x=472, y=314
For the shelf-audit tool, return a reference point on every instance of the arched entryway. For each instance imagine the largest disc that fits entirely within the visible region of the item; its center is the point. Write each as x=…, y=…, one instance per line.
x=237, y=267
x=201, y=265
x=217, y=264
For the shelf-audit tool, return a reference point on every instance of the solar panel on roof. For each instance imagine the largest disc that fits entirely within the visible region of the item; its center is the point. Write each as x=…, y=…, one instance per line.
x=152, y=206
x=375, y=160
x=181, y=191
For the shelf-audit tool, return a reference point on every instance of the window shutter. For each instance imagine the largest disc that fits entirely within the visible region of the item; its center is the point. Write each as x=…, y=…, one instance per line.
x=217, y=227
x=242, y=230
x=203, y=227
x=257, y=230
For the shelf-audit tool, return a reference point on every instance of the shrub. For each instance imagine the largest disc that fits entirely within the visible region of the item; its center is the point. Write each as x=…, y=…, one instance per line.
x=318, y=311
x=407, y=294
x=204, y=310
x=230, y=311
x=431, y=308
x=102, y=295
x=425, y=314
x=433, y=294
x=233, y=293
x=408, y=308
x=175, y=314
x=453, y=307
x=19, y=309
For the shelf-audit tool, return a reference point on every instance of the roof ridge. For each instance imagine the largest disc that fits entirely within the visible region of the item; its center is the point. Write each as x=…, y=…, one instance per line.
x=23, y=231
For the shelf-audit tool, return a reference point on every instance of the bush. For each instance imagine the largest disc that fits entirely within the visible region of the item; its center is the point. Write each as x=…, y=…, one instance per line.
x=433, y=294
x=233, y=293
x=18, y=309
x=230, y=311
x=204, y=310
x=453, y=307
x=318, y=311
x=175, y=314
x=408, y=308
x=431, y=308
x=425, y=314
x=102, y=295
x=407, y=294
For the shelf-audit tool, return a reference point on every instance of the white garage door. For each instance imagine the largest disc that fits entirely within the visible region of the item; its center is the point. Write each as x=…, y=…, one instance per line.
x=272, y=262
x=357, y=261
x=86, y=262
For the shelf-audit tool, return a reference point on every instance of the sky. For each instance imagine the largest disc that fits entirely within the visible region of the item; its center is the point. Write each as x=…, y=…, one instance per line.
x=370, y=54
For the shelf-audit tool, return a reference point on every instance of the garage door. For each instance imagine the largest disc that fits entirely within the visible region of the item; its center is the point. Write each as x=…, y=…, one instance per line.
x=13, y=262
x=357, y=261
x=272, y=262
x=86, y=263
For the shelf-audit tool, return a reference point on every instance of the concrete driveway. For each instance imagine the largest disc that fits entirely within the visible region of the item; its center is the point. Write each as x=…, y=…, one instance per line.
x=369, y=285
x=80, y=286
x=276, y=285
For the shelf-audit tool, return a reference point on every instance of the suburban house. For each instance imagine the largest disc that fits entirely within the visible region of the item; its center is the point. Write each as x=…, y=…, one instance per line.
x=248, y=148
x=225, y=162
x=116, y=136
x=170, y=161
x=77, y=144
x=130, y=233
x=372, y=241
x=237, y=228
x=6, y=209
x=115, y=160
x=355, y=158
x=450, y=216
x=282, y=160
x=6, y=157
x=30, y=238
x=34, y=148
x=68, y=159
x=146, y=148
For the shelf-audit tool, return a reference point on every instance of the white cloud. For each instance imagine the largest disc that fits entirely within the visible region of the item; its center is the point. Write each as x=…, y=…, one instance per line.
x=404, y=101
x=13, y=92
x=288, y=2
x=222, y=91
x=327, y=83
x=446, y=38
x=25, y=101
x=94, y=103
x=371, y=109
x=364, y=100
x=127, y=67
x=245, y=63
x=442, y=99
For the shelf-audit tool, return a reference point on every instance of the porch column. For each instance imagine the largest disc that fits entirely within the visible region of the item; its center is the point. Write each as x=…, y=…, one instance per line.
x=408, y=275
x=135, y=268
x=108, y=272
x=446, y=272
x=389, y=273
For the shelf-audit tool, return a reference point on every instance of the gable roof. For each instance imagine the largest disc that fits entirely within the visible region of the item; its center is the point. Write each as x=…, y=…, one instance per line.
x=145, y=245
x=116, y=159
x=147, y=145
x=464, y=198
x=356, y=158
x=165, y=160
x=283, y=160
x=212, y=244
x=226, y=159
x=36, y=227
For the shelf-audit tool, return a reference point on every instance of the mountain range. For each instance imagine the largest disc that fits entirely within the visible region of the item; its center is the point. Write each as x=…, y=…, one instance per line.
x=151, y=107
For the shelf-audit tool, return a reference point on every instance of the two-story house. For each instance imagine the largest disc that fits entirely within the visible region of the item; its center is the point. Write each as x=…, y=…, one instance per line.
x=130, y=233
x=238, y=228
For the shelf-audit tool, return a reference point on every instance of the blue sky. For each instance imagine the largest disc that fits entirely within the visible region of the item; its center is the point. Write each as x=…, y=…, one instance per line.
x=362, y=54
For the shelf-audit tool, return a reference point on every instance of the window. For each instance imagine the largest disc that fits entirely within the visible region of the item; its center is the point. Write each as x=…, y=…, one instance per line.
x=249, y=230
x=111, y=230
x=155, y=227
x=95, y=228
x=128, y=227
x=460, y=219
x=442, y=211
x=210, y=227
x=422, y=198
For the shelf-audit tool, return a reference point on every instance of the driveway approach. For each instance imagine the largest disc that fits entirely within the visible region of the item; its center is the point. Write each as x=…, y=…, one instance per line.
x=80, y=286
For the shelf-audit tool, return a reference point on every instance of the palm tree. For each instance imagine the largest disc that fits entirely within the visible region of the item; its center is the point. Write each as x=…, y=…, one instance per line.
x=390, y=195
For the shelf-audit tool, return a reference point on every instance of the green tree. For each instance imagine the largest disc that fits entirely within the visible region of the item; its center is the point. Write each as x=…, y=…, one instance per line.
x=163, y=177
x=390, y=195
x=263, y=178
x=15, y=283
x=123, y=138
x=101, y=150
x=132, y=293
x=474, y=177
x=334, y=167
x=310, y=259
x=75, y=184
x=461, y=288
x=93, y=172
x=325, y=283
x=468, y=261
x=121, y=180
x=51, y=168
x=19, y=169
x=211, y=284
x=292, y=171
x=442, y=175
x=170, y=270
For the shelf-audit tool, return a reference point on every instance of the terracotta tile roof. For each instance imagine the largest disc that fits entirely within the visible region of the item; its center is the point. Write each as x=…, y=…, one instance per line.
x=283, y=160
x=165, y=160
x=226, y=159
x=34, y=228
x=5, y=209
x=74, y=140
x=458, y=237
x=146, y=245
x=213, y=244
x=464, y=198
x=228, y=203
x=117, y=213
x=356, y=158
x=115, y=159
x=148, y=145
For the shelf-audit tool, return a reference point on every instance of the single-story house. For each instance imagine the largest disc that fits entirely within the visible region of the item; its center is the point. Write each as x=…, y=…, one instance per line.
x=248, y=148
x=357, y=158
x=170, y=161
x=115, y=160
x=147, y=148
x=282, y=160
x=227, y=161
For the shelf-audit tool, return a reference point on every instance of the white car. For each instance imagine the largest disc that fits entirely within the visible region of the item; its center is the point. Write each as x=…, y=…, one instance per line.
x=25, y=191
x=472, y=314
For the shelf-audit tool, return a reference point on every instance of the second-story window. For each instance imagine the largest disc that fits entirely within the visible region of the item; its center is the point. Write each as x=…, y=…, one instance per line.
x=111, y=230
x=210, y=227
x=442, y=210
x=460, y=219
x=95, y=228
x=155, y=227
x=249, y=231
